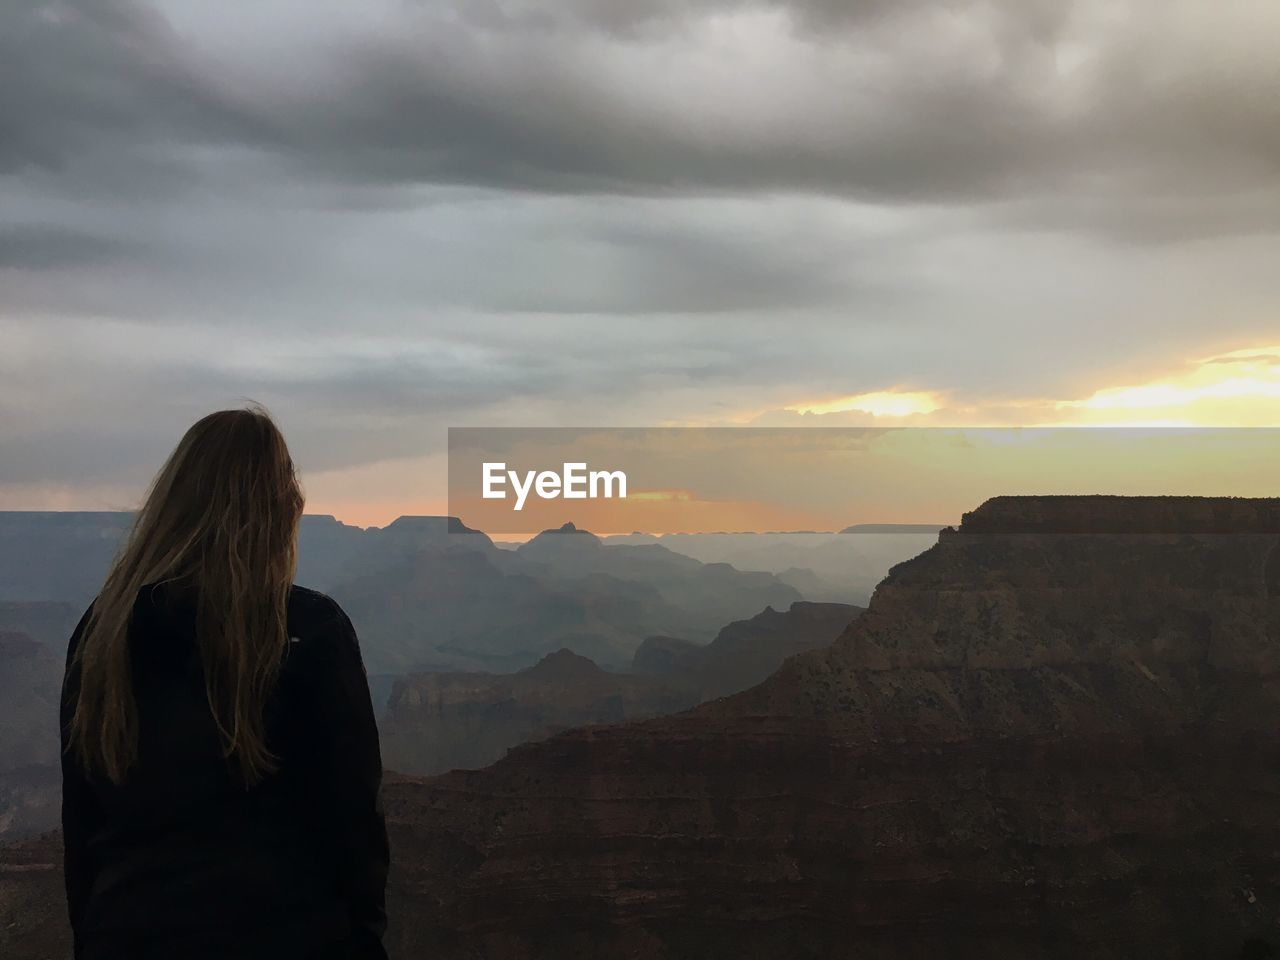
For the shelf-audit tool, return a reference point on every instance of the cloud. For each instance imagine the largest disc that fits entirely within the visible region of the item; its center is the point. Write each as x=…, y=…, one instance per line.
x=386, y=218
x=42, y=247
x=97, y=77
x=1237, y=389
x=881, y=403
x=895, y=102
x=720, y=101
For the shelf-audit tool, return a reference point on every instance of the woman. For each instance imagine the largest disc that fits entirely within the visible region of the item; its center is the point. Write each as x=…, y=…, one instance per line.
x=221, y=767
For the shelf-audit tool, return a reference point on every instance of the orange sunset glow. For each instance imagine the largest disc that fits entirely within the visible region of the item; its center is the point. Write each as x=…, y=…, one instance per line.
x=1237, y=388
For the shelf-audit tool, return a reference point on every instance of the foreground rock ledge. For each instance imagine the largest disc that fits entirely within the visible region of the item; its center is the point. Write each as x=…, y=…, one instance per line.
x=1040, y=740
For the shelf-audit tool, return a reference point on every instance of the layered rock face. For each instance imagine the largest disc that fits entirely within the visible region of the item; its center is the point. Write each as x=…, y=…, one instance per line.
x=442, y=721
x=1041, y=740
x=33, y=913
x=1033, y=744
x=744, y=652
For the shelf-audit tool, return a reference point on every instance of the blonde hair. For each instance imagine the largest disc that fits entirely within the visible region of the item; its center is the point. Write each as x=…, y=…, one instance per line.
x=220, y=520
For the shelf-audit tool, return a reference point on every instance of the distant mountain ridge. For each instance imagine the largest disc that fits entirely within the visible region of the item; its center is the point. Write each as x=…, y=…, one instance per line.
x=833, y=567
x=49, y=621
x=429, y=592
x=423, y=597
x=744, y=652
x=901, y=528
x=443, y=720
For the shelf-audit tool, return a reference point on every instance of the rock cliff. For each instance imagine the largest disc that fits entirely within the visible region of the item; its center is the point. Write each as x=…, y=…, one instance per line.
x=444, y=720
x=1042, y=739
x=746, y=651
x=440, y=721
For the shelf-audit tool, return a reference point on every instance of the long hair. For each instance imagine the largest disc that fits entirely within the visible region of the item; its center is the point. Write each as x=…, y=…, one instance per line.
x=220, y=522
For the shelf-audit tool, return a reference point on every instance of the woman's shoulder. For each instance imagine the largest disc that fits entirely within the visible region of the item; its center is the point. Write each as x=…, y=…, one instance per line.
x=316, y=617
x=311, y=608
x=321, y=636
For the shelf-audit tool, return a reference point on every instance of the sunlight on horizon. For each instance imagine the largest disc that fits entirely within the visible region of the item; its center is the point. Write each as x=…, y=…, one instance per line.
x=1240, y=388
x=879, y=403
x=1236, y=389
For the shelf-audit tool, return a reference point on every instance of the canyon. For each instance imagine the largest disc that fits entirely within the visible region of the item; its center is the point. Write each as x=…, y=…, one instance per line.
x=1053, y=734
x=1044, y=738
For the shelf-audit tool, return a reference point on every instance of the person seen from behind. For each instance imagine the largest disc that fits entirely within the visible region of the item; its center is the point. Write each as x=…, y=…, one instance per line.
x=221, y=767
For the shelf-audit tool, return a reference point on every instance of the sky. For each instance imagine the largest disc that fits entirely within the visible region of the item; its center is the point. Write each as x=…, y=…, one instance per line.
x=387, y=218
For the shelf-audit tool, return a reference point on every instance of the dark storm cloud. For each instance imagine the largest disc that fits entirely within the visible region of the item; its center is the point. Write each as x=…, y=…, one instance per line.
x=509, y=105
x=641, y=19
x=222, y=258
x=436, y=121
x=43, y=247
x=81, y=78
x=890, y=101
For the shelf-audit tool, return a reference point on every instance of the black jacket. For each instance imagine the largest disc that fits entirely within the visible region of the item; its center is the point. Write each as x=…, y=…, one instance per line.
x=181, y=860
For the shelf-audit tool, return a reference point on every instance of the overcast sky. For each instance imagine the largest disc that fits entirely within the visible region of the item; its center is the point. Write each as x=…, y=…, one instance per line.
x=385, y=218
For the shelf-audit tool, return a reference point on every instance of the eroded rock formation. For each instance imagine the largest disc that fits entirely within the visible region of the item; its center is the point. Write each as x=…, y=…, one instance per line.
x=746, y=651
x=1033, y=744
x=444, y=720
x=441, y=721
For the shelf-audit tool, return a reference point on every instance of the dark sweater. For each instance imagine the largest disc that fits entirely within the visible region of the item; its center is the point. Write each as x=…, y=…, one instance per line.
x=181, y=860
